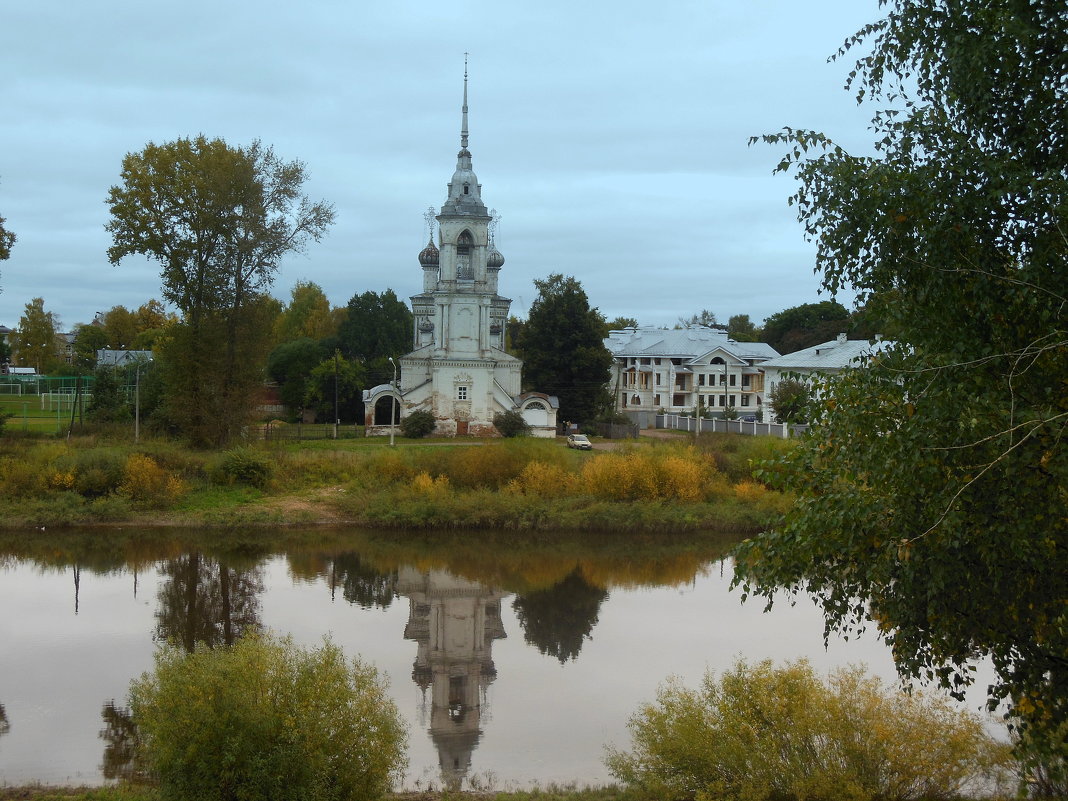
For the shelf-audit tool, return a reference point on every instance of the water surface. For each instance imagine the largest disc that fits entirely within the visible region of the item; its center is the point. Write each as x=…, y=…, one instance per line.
x=513, y=663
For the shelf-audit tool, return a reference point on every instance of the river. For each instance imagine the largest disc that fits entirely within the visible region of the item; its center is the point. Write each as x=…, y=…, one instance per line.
x=513, y=664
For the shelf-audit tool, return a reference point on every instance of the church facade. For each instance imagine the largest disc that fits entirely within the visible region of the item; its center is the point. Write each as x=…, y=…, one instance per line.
x=458, y=369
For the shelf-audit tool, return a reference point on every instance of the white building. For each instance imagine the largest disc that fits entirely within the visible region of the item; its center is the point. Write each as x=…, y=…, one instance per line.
x=824, y=359
x=458, y=369
x=681, y=369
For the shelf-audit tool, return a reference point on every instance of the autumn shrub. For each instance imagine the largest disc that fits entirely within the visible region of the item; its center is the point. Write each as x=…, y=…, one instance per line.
x=17, y=479
x=543, y=480
x=147, y=484
x=98, y=471
x=244, y=466
x=675, y=473
x=489, y=466
x=511, y=424
x=418, y=424
x=760, y=732
x=389, y=465
x=267, y=719
x=429, y=486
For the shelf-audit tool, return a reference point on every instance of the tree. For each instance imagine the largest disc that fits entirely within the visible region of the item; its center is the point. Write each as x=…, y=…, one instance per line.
x=7, y=240
x=790, y=399
x=703, y=317
x=291, y=365
x=218, y=219
x=559, y=619
x=267, y=719
x=563, y=350
x=741, y=329
x=88, y=339
x=35, y=340
x=345, y=376
x=375, y=328
x=804, y=326
x=619, y=323
x=935, y=480
x=308, y=314
x=120, y=325
x=418, y=424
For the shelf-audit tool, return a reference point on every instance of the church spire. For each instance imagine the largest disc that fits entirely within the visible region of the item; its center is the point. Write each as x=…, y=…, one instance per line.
x=463, y=128
x=465, y=194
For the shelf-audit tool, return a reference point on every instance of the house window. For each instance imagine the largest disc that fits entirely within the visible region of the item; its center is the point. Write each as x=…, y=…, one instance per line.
x=733, y=378
x=656, y=400
x=461, y=393
x=701, y=379
x=722, y=400
x=624, y=400
x=732, y=401
x=658, y=379
x=678, y=400
x=745, y=382
x=645, y=360
x=656, y=361
x=745, y=400
x=722, y=379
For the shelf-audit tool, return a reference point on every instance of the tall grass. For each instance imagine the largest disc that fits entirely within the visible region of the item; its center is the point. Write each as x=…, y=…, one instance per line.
x=521, y=483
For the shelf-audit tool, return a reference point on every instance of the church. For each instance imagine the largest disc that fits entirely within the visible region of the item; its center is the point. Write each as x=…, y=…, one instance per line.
x=458, y=369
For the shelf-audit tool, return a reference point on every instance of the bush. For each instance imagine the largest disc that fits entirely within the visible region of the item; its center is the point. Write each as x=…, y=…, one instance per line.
x=147, y=484
x=266, y=719
x=511, y=424
x=418, y=424
x=245, y=466
x=766, y=732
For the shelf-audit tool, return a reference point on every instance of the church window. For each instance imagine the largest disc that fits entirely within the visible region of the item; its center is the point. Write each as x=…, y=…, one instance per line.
x=535, y=405
x=464, y=270
x=461, y=393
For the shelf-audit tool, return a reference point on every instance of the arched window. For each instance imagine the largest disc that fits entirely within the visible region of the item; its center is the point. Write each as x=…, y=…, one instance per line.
x=464, y=269
x=535, y=405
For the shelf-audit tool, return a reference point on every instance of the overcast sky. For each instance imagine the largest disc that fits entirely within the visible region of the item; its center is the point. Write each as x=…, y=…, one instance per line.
x=611, y=137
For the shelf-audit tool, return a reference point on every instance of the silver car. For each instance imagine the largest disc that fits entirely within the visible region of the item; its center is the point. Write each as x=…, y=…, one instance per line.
x=580, y=441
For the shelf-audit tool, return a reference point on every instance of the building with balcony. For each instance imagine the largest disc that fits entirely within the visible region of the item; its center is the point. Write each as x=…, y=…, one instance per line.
x=684, y=369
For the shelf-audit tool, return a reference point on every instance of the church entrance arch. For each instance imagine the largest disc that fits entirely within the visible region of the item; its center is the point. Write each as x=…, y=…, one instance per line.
x=384, y=411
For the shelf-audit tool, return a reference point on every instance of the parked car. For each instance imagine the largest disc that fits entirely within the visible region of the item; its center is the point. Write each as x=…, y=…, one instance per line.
x=580, y=441
x=749, y=418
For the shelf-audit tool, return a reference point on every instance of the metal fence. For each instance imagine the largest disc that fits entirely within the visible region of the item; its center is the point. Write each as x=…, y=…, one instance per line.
x=700, y=425
x=298, y=432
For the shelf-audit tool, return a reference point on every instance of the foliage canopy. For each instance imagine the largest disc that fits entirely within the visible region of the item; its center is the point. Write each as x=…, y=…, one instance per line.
x=266, y=719
x=218, y=219
x=563, y=352
x=760, y=731
x=934, y=490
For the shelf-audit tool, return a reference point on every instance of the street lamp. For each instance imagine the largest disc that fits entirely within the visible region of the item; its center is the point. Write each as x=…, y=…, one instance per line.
x=393, y=405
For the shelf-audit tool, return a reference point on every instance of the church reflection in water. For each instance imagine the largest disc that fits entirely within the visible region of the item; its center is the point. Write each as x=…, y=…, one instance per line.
x=454, y=623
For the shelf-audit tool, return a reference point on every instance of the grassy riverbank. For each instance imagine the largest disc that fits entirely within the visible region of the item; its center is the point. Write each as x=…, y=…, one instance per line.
x=140, y=793
x=528, y=484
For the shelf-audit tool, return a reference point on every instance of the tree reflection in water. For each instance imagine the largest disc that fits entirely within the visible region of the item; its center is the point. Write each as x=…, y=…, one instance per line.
x=5, y=727
x=121, y=743
x=557, y=620
x=204, y=601
x=362, y=584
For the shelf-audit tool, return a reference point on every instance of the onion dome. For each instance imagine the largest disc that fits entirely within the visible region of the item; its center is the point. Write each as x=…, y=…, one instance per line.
x=430, y=254
x=494, y=260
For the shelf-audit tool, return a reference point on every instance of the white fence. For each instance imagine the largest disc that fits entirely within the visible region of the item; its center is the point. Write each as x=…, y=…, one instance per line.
x=679, y=423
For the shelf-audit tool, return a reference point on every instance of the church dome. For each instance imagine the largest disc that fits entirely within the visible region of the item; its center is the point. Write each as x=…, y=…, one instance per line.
x=494, y=260
x=429, y=255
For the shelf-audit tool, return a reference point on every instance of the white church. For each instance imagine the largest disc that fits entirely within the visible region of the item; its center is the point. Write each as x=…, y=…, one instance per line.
x=458, y=369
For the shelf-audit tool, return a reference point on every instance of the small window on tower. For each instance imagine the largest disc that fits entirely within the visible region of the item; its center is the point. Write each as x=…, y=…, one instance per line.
x=461, y=393
x=467, y=189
